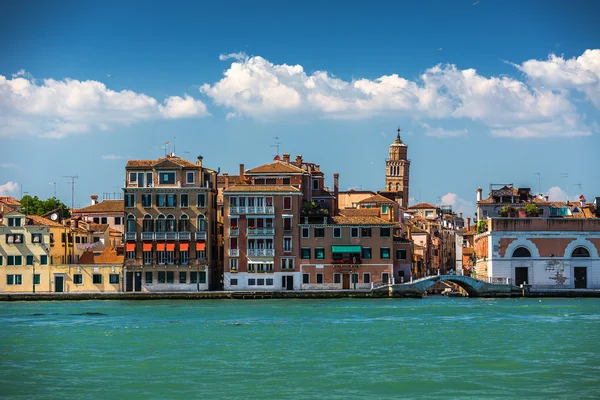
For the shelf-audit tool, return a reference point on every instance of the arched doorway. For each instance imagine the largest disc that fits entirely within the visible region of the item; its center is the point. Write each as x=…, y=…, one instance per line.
x=521, y=272
x=579, y=272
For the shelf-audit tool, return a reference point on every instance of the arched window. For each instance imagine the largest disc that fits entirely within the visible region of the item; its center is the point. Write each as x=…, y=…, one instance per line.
x=148, y=224
x=580, y=252
x=131, y=223
x=201, y=223
x=521, y=252
x=184, y=223
x=161, y=223
x=390, y=186
x=397, y=186
x=171, y=225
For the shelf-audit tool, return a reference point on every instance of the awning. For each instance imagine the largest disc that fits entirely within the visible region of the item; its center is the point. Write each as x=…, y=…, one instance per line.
x=147, y=246
x=170, y=246
x=346, y=249
x=130, y=246
x=200, y=246
x=160, y=247
x=185, y=246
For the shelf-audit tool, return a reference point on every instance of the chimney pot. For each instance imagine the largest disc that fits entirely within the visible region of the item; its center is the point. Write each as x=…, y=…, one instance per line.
x=286, y=157
x=299, y=159
x=242, y=172
x=479, y=192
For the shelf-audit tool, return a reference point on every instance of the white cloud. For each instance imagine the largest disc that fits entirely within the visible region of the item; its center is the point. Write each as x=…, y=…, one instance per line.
x=8, y=187
x=555, y=193
x=55, y=109
x=257, y=88
x=459, y=205
x=442, y=133
x=231, y=115
x=113, y=157
x=236, y=56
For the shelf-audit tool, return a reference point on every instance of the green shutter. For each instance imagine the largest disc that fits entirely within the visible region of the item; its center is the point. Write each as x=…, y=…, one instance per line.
x=346, y=249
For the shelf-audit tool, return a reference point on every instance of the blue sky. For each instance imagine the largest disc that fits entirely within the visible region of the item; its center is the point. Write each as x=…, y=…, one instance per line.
x=485, y=93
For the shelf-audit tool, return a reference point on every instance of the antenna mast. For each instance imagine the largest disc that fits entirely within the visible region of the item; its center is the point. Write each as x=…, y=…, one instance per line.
x=277, y=143
x=54, y=185
x=72, y=177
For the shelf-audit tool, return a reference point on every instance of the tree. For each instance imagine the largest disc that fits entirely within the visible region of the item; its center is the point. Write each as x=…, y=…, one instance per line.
x=481, y=226
x=35, y=206
x=532, y=210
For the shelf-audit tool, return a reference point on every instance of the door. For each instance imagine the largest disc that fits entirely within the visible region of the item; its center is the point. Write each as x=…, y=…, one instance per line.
x=345, y=281
x=290, y=283
x=129, y=282
x=138, y=281
x=521, y=275
x=580, y=277
x=59, y=283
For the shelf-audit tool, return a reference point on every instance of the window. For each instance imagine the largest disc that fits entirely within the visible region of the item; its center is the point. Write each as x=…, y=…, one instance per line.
x=104, y=220
x=78, y=279
x=161, y=200
x=1, y=260
x=365, y=232
x=170, y=277
x=193, y=277
x=130, y=200
x=384, y=253
x=315, y=184
x=384, y=209
x=428, y=214
x=354, y=278
x=113, y=279
x=269, y=281
x=166, y=178
x=306, y=279
x=287, y=244
x=260, y=281
x=28, y=260
x=14, y=279
x=521, y=252
x=305, y=253
x=36, y=279
x=320, y=279
x=366, y=253
x=354, y=232
x=170, y=258
x=189, y=177
x=184, y=200
x=366, y=277
x=286, y=181
x=287, y=203
x=96, y=279
x=337, y=278
x=36, y=238
x=385, y=277
x=320, y=253
x=182, y=277
x=148, y=277
x=184, y=257
x=233, y=264
x=14, y=221
x=201, y=200
x=269, y=201
x=319, y=232
x=13, y=260
x=202, y=276
x=161, y=277
x=147, y=257
x=251, y=282
x=118, y=220
x=16, y=238
x=337, y=233
x=171, y=200
x=133, y=177
x=580, y=252
x=400, y=254
x=146, y=201
x=305, y=232
x=384, y=232
x=287, y=263
x=287, y=224
x=130, y=255
x=96, y=220
x=233, y=282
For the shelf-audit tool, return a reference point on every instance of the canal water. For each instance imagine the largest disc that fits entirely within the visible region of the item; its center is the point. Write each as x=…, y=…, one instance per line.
x=301, y=349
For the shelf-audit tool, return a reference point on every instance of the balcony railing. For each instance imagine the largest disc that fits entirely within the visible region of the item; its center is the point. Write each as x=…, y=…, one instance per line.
x=347, y=261
x=171, y=235
x=201, y=235
x=234, y=252
x=261, y=231
x=184, y=235
x=234, y=232
x=234, y=210
x=130, y=236
x=261, y=252
x=147, y=235
x=160, y=235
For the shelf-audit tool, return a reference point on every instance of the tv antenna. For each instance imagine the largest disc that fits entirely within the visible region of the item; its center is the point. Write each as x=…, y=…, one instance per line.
x=277, y=143
x=54, y=185
x=188, y=155
x=579, y=186
x=72, y=177
x=539, y=182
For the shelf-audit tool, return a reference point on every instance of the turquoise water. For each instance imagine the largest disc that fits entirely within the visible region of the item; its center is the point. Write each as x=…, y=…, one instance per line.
x=301, y=349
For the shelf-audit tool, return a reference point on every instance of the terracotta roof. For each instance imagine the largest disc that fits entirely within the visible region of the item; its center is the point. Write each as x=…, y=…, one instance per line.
x=11, y=201
x=359, y=220
x=416, y=229
x=377, y=199
x=98, y=227
x=277, y=167
x=151, y=163
x=352, y=191
x=360, y=212
x=106, y=256
x=537, y=200
x=421, y=205
x=233, y=180
x=104, y=207
x=261, y=188
x=37, y=220
x=485, y=201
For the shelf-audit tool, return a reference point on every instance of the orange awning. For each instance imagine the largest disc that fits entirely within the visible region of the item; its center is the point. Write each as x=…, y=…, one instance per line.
x=130, y=246
x=200, y=246
x=184, y=246
x=170, y=246
x=147, y=246
x=160, y=247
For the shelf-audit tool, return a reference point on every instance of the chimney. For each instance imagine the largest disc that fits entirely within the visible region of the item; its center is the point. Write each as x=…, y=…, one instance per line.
x=94, y=199
x=582, y=201
x=460, y=215
x=336, y=204
x=242, y=178
x=226, y=175
x=199, y=162
x=546, y=198
x=286, y=157
x=468, y=224
x=479, y=191
x=299, y=159
x=408, y=232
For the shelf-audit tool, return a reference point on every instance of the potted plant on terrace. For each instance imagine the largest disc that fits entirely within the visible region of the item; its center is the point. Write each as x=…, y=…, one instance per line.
x=531, y=210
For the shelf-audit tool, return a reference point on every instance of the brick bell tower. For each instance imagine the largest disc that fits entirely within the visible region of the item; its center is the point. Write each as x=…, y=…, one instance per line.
x=397, y=168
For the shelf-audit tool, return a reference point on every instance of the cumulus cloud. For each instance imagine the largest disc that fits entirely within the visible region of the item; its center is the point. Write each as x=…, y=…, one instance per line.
x=443, y=133
x=555, y=193
x=236, y=56
x=8, y=187
x=459, y=205
x=55, y=109
x=257, y=88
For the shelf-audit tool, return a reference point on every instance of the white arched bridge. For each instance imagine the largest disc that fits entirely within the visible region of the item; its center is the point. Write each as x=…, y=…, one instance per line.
x=474, y=287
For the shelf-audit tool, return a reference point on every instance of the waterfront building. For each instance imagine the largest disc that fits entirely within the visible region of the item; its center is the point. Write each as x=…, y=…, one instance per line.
x=351, y=198
x=170, y=225
x=506, y=200
x=107, y=212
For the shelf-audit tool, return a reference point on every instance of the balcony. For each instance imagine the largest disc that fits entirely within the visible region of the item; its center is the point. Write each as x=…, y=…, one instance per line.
x=233, y=232
x=184, y=235
x=261, y=231
x=261, y=252
x=356, y=260
x=130, y=236
x=234, y=252
x=171, y=235
x=236, y=210
x=160, y=235
x=147, y=235
x=201, y=235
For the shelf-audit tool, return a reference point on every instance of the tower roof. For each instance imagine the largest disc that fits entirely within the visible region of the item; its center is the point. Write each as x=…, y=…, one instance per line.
x=398, y=141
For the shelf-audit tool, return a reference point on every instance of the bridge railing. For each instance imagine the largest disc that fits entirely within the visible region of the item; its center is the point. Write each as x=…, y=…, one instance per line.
x=500, y=280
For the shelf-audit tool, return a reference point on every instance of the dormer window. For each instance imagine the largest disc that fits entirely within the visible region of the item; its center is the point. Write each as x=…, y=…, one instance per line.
x=14, y=221
x=189, y=177
x=166, y=178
